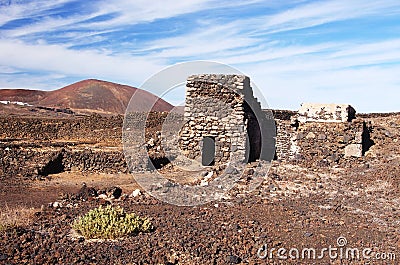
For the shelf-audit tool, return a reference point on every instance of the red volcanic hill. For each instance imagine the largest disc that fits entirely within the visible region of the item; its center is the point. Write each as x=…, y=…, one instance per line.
x=89, y=96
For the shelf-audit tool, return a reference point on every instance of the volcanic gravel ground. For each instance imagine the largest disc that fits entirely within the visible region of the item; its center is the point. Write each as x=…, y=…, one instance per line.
x=224, y=232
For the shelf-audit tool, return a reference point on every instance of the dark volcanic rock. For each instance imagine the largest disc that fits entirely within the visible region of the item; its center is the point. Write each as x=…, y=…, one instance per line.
x=86, y=192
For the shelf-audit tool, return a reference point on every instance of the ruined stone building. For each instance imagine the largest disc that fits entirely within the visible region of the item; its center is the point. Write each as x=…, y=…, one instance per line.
x=222, y=119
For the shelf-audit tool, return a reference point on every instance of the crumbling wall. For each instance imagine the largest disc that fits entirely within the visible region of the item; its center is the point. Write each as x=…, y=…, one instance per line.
x=35, y=147
x=30, y=146
x=322, y=134
x=95, y=127
x=94, y=160
x=33, y=162
x=328, y=143
x=286, y=136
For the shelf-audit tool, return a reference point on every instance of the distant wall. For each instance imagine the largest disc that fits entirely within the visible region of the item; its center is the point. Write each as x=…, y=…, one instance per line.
x=93, y=127
x=32, y=147
x=330, y=143
x=31, y=162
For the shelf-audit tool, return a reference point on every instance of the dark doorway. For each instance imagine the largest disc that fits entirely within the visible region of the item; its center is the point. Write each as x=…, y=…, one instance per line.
x=208, y=152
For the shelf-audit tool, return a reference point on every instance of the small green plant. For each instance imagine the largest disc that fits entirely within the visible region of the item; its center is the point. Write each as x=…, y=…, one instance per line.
x=110, y=223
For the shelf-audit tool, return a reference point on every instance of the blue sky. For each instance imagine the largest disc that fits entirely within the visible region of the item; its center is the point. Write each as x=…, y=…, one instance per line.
x=342, y=51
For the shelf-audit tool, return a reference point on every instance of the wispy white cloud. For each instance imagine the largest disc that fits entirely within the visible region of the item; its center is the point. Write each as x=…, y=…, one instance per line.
x=44, y=81
x=322, y=12
x=46, y=25
x=240, y=36
x=354, y=79
x=23, y=9
x=204, y=42
x=121, y=13
x=145, y=11
x=57, y=59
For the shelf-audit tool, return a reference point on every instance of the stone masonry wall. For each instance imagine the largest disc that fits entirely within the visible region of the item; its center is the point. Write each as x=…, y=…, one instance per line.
x=32, y=147
x=286, y=146
x=328, y=143
x=90, y=128
x=34, y=162
x=320, y=138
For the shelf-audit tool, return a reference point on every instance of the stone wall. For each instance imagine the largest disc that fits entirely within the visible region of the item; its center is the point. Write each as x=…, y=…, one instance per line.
x=328, y=143
x=286, y=145
x=32, y=147
x=33, y=162
x=322, y=134
x=91, y=128
x=214, y=107
x=94, y=160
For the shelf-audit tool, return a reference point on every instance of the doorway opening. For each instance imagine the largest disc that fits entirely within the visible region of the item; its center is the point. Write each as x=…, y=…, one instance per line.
x=208, y=152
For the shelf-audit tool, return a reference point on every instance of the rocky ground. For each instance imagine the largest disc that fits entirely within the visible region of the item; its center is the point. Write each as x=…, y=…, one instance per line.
x=351, y=206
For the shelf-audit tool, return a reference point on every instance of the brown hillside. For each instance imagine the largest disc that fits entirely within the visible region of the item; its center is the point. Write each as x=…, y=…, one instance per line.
x=22, y=95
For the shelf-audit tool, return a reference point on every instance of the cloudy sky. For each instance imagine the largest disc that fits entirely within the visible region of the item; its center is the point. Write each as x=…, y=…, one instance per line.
x=342, y=51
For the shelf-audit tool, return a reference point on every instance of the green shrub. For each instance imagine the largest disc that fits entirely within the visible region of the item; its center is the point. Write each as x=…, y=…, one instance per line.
x=110, y=223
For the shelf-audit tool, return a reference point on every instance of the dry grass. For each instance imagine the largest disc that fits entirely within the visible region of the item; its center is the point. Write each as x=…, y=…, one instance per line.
x=15, y=216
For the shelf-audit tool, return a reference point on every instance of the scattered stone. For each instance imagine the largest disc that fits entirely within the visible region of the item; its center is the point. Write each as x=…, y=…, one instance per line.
x=209, y=175
x=3, y=257
x=203, y=183
x=136, y=193
x=103, y=196
x=86, y=192
x=388, y=134
x=232, y=259
x=353, y=150
x=310, y=135
x=308, y=234
x=333, y=158
x=56, y=205
x=115, y=192
x=151, y=142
